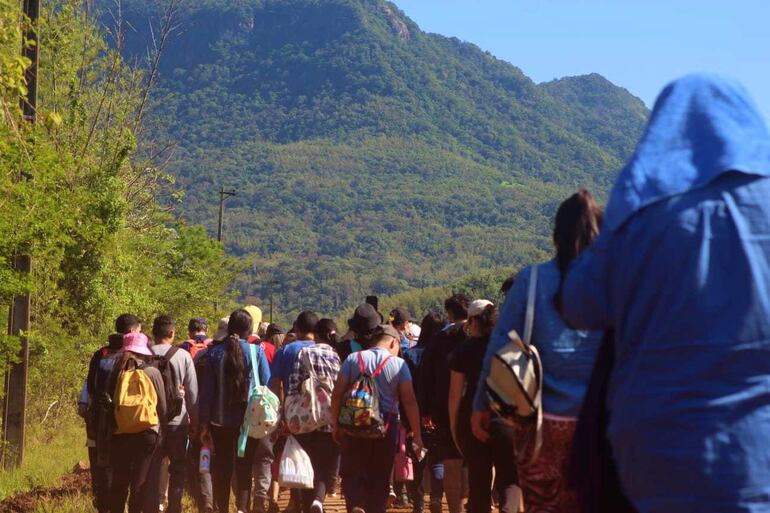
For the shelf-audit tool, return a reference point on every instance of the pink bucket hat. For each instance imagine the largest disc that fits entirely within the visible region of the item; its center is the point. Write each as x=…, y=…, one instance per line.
x=136, y=343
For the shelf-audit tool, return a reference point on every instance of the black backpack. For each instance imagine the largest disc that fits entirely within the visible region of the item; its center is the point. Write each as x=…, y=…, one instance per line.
x=173, y=389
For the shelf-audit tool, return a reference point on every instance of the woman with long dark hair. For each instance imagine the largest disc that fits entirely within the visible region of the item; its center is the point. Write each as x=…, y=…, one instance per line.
x=567, y=355
x=223, y=399
x=481, y=458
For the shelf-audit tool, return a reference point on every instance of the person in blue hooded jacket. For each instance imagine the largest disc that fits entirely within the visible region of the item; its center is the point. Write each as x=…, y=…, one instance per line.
x=681, y=272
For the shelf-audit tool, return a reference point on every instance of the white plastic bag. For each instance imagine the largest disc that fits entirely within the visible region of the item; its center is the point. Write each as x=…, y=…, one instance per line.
x=295, y=470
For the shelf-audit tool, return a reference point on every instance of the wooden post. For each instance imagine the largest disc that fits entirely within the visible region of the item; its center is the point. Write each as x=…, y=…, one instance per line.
x=15, y=404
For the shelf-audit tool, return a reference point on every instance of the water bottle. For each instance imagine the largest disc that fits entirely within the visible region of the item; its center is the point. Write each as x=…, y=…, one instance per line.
x=204, y=464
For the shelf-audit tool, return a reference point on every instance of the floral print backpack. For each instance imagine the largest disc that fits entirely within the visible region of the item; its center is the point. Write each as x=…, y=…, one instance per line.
x=309, y=407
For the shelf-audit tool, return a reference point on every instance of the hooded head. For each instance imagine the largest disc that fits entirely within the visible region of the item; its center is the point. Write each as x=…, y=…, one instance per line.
x=702, y=126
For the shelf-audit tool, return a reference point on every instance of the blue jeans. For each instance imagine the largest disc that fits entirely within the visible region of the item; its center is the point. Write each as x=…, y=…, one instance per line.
x=366, y=467
x=416, y=488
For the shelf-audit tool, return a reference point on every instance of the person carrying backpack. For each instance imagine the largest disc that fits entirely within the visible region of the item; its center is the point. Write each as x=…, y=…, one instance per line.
x=100, y=418
x=139, y=401
x=222, y=409
x=263, y=454
x=198, y=337
x=174, y=443
x=365, y=421
x=304, y=373
x=532, y=309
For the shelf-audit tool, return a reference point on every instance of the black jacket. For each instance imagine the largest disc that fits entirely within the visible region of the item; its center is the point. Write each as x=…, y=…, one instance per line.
x=94, y=380
x=433, y=386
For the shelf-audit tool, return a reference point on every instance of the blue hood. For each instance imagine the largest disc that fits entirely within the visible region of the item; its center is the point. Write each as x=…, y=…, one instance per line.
x=701, y=127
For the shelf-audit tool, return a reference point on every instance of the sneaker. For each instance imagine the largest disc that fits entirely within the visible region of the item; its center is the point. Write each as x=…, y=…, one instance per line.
x=317, y=507
x=291, y=507
x=336, y=486
x=402, y=502
x=391, y=498
x=259, y=505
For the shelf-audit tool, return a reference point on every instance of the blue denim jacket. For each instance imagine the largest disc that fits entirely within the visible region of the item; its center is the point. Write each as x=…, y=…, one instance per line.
x=215, y=407
x=568, y=355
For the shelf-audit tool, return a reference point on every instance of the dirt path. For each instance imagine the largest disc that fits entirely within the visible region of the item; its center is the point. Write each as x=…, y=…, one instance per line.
x=73, y=484
x=78, y=483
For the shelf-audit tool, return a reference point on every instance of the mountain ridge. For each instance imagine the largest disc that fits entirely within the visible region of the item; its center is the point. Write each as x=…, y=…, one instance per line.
x=369, y=155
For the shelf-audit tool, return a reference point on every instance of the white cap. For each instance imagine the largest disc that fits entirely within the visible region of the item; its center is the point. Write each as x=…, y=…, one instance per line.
x=477, y=307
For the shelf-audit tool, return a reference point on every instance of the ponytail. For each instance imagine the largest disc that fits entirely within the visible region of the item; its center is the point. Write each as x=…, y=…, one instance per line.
x=239, y=326
x=578, y=222
x=326, y=331
x=235, y=370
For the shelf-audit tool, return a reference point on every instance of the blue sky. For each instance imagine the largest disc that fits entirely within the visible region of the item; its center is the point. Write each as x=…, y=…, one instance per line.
x=638, y=44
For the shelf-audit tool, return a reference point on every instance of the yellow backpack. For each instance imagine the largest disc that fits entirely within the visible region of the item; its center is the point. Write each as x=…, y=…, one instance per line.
x=136, y=400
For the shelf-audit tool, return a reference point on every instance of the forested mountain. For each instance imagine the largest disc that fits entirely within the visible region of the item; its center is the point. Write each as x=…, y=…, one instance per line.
x=368, y=155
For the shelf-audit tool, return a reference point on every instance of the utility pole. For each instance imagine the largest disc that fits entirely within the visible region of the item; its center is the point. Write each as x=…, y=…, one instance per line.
x=223, y=194
x=14, y=411
x=272, y=287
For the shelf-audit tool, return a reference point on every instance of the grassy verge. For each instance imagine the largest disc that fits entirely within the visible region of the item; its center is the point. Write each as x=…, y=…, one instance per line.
x=81, y=502
x=52, y=451
x=76, y=504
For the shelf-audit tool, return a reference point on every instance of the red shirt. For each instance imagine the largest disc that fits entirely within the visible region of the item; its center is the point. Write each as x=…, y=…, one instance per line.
x=267, y=347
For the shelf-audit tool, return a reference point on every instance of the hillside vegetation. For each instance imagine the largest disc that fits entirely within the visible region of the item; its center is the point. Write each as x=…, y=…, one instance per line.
x=368, y=155
x=85, y=206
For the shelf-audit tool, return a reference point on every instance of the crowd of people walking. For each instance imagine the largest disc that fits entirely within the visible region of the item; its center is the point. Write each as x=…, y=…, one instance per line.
x=645, y=334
